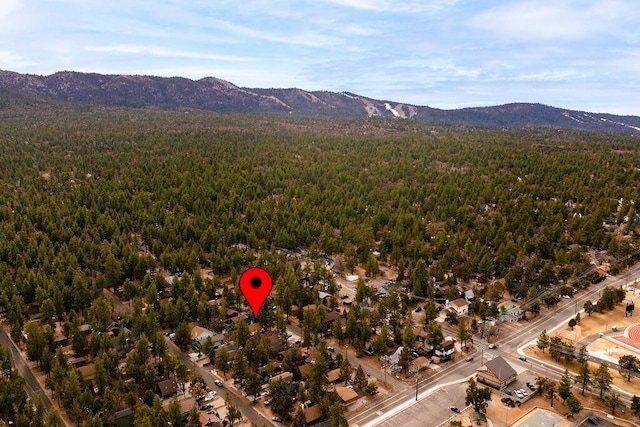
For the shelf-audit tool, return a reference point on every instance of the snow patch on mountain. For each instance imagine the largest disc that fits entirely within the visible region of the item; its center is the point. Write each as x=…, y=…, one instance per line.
x=389, y=108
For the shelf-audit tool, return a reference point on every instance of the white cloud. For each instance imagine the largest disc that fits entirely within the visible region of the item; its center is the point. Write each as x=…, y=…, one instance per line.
x=552, y=20
x=395, y=5
x=155, y=51
x=12, y=61
x=7, y=7
x=308, y=38
x=357, y=30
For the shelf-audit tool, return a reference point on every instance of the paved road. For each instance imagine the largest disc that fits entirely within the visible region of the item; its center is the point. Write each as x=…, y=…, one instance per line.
x=34, y=388
x=508, y=347
x=243, y=404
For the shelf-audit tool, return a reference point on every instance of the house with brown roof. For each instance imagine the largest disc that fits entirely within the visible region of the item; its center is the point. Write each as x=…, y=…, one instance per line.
x=312, y=413
x=185, y=405
x=333, y=376
x=305, y=370
x=460, y=306
x=496, y=373
x=420, y=333
x=347, y=395
x=418, y=364
x=167, y=388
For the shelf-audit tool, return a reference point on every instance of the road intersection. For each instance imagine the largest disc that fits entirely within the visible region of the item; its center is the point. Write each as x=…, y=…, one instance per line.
x=509, y=347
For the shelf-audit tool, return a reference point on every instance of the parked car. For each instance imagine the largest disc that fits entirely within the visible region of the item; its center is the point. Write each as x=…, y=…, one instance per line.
x=267, y=402
x=470, y=358
x=519, y=394
x=418, y=309
x=218, y=383
x=454, y=409
x=276, y=419
x=531, y=387
x=210, y=396
x=206, y=406
x=492, y=346
x=508, y=401
x=523, y=358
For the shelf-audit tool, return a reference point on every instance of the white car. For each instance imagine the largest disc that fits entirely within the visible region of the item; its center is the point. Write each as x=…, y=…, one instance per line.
x=210, y=396
x=519, y=394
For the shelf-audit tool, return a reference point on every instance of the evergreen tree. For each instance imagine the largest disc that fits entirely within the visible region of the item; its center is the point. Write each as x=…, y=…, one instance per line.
x=584, y=376
x=629, y=365
x=477, y=396
x=602, y=379
x=564, y=387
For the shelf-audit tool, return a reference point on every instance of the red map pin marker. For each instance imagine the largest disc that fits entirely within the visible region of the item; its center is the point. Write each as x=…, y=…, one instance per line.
x=255, y=285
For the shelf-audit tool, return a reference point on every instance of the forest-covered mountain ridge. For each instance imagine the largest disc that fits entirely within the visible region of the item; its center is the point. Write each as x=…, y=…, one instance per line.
x=21, y=92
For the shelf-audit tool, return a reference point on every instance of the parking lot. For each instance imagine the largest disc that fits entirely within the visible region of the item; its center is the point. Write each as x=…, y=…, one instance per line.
x=520, y=390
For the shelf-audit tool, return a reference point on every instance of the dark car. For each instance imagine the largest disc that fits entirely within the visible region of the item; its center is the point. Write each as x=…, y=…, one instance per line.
x=454, y=409
x=523, y=358
x=218, y=383
x=418, y=309
x=508, y=401
x=531, y=387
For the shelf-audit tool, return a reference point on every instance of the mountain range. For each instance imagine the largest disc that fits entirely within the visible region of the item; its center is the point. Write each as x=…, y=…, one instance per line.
x=22, y=92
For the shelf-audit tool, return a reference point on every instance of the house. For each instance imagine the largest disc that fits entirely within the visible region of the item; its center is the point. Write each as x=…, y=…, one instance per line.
x=60, y=342
x=460, y=306
x=276, y=343
x=368, y=348
x=333, y=376
x=347, y=395
x=185, y=405
x=312, y=413
x=497, y=373
x=199, y=335
x=124, y=418
x=285, y=376
x=393, y=358
x=469, y=295
x=418, y=364
x=420, y=334
x=77, y=362
x=446, y=349
x=209, y=420
x=255, y=328
x=87, y=372
x=167, y=388
x=331, y=317
x=305, y=370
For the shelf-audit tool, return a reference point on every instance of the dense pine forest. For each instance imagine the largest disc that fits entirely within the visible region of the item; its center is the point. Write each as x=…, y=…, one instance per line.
x=107, y=200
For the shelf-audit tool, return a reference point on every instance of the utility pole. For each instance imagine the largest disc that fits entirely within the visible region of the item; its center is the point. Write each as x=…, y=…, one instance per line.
x=416, y=389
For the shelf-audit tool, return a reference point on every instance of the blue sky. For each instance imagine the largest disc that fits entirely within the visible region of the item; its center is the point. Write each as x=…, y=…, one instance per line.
x=577, y=54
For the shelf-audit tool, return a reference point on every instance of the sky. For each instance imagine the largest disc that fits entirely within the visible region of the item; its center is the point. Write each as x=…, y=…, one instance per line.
x=575, y=54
